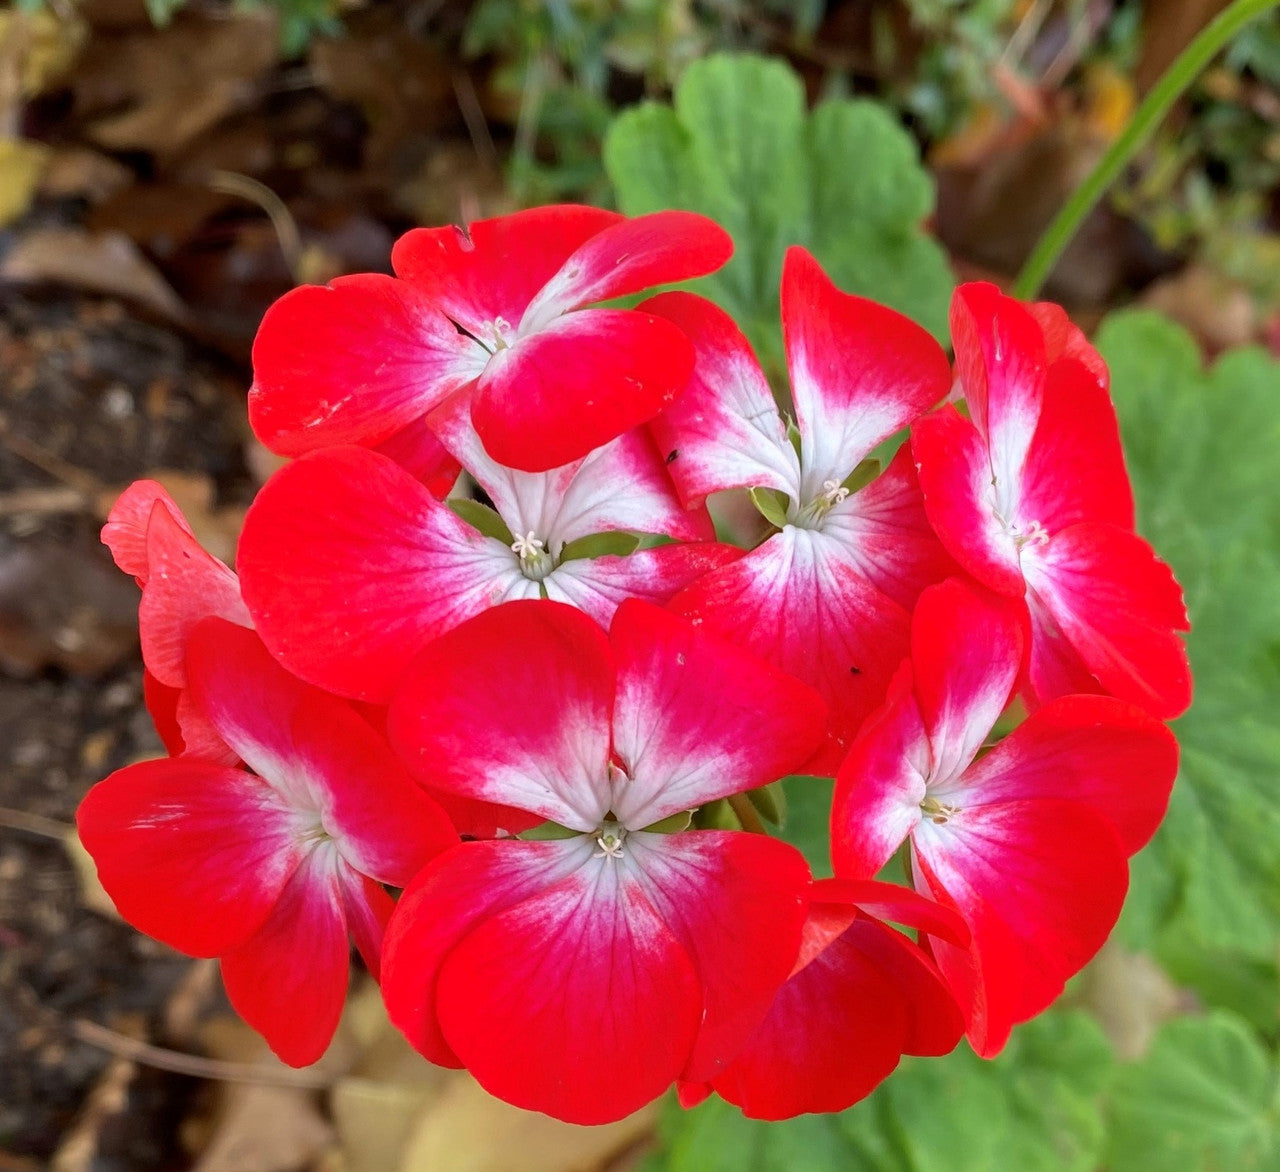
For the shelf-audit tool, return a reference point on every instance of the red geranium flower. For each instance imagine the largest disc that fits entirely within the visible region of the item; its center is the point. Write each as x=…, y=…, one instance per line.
x=828, y=597
x=1028, y=842
x=532, y=963
x=1031, y=496
x=271, y=870
x=495, y=308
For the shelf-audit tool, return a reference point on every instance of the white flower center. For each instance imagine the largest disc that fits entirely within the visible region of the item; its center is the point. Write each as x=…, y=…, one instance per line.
x=535, y=561
x=496, y=335
x=938, y=812
x=813, y=514
x=609, y=838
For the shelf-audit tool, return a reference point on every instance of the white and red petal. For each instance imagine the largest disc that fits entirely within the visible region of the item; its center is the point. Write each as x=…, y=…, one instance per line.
x=192, y=853
x=966, y=653
x=1108, y=755
x=736, y=903
x=955, y=478
x=859, y=370
x=1001, y=364
x=800, y=602
x=576, y=384
x=449, y=897
x=616, y=1008
x=1040, y=883
x=1063, y=339
x=184, y=585
x=197, y=734
x=289, y=980
x=724, y=431
x=600, y=585
x=366, y=908
x=125, y=533
x=354, y=361
x=697, y=718
x=513, y=708
x=629, y=257
x=494, y=268
x=887, y=532
x=620, y=486
x=350, y=566
x=1054, y=666
x=1120, y=607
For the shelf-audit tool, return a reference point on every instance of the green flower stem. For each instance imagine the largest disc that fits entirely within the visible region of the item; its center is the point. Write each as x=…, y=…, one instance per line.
x=1171, y=86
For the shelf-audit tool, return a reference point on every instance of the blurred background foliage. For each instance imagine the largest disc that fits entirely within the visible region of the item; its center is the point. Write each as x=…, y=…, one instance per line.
x=168, y=168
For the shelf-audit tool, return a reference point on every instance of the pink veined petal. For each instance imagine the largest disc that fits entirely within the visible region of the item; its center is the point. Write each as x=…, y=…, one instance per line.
x=1075, y=467
x=1054, y=666
x=1120, y=607
x=724, y=431
x=629, y=257
x=1000, y=361
x=620, y=486
x=1107, y=754
x=184, y=585
x=350, y=567
x=354, y=361
x=967, y=652
x=611, y=980
x=600, y=585
x=1040, y=883
x=494, y=268
x=317, y=752
x=576, y=384
x=125, y=533
x=289, y=980
x=880, y=785
x=192, y=853
x=736, y=903
x=450, y=896
x=955, y=479
x=859, y=371
x=697, y=718
x=799, y=602
x=417, y=450
x=888, y=535
x=513, y=708
x=366, y=908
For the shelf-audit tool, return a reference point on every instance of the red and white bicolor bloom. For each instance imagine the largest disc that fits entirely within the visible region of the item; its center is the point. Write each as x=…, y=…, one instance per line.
x=532, y=963
x=495, y=309
x=1031, y=496
x=182, y=584
x=350, y=565
x=828, y=597
x=859, y=997
x=272, y=870
x=1029, y=841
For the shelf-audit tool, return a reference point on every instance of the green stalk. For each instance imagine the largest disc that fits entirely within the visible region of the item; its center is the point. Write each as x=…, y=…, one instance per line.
x=1171, y=86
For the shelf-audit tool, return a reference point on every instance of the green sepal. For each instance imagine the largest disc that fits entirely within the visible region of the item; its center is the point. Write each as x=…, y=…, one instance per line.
x=600, y=545
x=772, y=505
x=481, y=517
x=672, y=824
x=862, y=475
x=770, y=802
x=547, y=831
x=717, y=815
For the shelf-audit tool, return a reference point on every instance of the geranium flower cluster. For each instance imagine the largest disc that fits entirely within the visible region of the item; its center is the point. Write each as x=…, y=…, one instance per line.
x=513, y=746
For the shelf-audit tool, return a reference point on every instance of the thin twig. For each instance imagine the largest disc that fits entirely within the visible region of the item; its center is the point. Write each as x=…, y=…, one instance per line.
x=50, y=462
x=43, y=502
x=36, y=824
x=286, y=227
x=464, y=91
x=213, y=1069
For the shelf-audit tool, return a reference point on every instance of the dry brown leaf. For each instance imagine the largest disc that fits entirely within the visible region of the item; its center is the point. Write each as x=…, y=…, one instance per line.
x=1218, y=310
x=79, y=171
x=96, y=262
x=21, y=165
x=1131, y=996
x=39, y=47
x=92, y=894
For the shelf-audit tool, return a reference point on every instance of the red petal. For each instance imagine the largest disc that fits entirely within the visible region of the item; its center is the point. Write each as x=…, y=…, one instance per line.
x=617, y=1004
x=162, y=704
x=576, y=384
x=1119, y=605
x=513, y=708
x=955, y=478
x=629, y=257
x=859, y=371
x=736, y=903
x=353, y=362
x=494, y=268
x=723, y=431
x=799, y=602
x=350, y=567
x=192, y=853
x=1063, y=339
x=448, y=898
x=289, y=981
x=417, y=450
x=125, y=532
x=900, y=905
x=1054, y=666
x=1040, y=883
x=366, y=908
x=697, y=718
x=1109, y=755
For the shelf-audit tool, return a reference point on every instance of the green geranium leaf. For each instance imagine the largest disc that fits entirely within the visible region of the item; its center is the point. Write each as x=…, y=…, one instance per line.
x=1202, y=446
x=808, y=824
x=1202, y=1100
x=845, y=181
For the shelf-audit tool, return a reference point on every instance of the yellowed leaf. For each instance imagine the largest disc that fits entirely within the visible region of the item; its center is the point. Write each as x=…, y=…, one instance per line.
x=21, y=164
